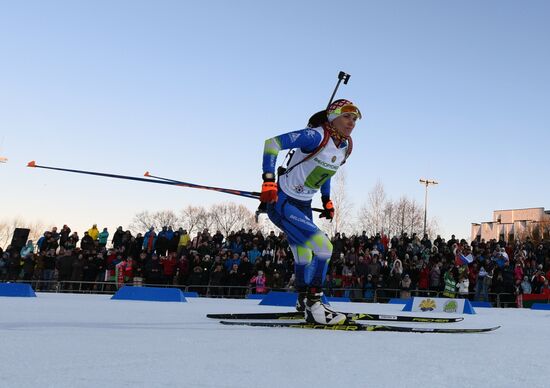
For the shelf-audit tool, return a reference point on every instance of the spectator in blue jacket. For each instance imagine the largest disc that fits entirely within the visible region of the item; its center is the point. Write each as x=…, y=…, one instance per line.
x=149, y=240
x=234, y=260
x=253, y=254
x=27, y=249
x=103, y=237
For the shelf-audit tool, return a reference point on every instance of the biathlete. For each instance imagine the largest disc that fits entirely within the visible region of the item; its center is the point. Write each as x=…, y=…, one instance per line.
x=319, y=151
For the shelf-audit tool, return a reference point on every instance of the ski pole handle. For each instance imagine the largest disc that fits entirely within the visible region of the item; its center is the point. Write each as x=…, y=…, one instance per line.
x=341, y=77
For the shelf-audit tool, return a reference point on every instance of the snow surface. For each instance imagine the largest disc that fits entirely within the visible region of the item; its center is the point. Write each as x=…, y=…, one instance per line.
x=64, y=340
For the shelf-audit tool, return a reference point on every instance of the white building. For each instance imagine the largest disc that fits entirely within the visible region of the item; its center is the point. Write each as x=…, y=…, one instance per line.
x=508, y=224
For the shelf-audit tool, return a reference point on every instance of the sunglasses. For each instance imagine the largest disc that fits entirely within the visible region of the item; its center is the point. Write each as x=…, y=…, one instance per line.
x=349, y=109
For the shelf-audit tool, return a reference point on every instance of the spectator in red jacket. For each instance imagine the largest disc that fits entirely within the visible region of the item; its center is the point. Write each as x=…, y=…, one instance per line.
x=537, y=282
x=424, y=277
x=129, y=269
x=169, y=265
x=182, y=270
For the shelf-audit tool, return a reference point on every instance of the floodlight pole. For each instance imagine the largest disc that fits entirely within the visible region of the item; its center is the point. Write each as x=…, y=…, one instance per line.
x=426, y=183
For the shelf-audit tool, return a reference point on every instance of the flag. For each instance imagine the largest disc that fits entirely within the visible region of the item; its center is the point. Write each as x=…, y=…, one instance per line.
x=460, y=259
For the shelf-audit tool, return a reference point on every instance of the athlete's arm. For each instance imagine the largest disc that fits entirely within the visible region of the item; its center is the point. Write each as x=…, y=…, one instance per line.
x=305, y=139
x=325, y=188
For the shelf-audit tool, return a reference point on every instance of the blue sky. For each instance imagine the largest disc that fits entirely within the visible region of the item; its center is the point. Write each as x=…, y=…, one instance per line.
x=453, y=91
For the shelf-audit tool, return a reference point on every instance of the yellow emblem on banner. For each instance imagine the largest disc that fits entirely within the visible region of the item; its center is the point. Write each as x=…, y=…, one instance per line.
x=427, y=305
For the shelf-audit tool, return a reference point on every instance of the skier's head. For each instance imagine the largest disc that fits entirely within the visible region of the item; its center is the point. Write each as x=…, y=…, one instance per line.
x=341, y=107
x=342, y=115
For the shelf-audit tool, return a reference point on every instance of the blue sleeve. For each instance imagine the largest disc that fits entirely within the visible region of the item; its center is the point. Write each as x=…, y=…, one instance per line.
x=325, y=188
x=305, y=139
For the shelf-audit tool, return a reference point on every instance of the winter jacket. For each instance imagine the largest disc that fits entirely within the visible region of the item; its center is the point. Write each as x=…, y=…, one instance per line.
x=28, y=265
x=518, y=273
x=526, y=287
x=259, y=283
x=42, y=243
x=450, y=285
x=253, y=254
x=245, y=270
x=77, y=269
x=87, y=243
x=117, y=238
x=229, y=263
x=184, y=240
x=169, y=266
x=374, y=269
x=405, y=287
x=93, y=233
x=26, y=250
x=64, y=266
x=103, y=237
x=149, y=241
x=232, y=279
x=216, y=278
x=463, y=286
x=424, y=279
x=89, y=270
x=368, y=290
x=153, y=271
x=169, y=235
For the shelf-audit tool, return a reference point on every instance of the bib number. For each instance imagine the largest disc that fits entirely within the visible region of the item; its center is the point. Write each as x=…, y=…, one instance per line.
x=317, y=177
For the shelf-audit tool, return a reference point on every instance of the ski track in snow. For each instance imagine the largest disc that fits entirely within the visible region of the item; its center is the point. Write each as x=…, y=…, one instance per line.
x=65, y=340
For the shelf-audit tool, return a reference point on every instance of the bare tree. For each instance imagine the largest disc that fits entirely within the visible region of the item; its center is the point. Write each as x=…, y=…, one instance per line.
x=343, y=207
x=372, y=216
x=196, y=218
x=390, y=224
x=401, y=207
x=7, y=228
x=230, y=216
x=144, y=220
x=432, y=228
x=409, y=216
x=6, y=231
x=37, y=230
x=265, y=226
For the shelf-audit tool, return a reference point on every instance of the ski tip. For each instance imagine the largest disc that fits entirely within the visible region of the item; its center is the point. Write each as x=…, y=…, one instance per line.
x=146, y=173
x=32, y=163
x=486, y=330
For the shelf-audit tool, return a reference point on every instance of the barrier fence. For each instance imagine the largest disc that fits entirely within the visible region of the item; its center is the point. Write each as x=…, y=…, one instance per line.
x=379, y=295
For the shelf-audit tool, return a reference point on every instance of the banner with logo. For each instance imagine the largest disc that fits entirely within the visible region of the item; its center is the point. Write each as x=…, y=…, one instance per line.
x=439, y=305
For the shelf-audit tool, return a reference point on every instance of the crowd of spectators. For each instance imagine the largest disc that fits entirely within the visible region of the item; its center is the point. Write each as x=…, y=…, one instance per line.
x=247, y=261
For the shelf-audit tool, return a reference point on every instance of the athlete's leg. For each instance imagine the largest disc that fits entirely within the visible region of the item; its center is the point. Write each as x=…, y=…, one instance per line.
x=311, y=248
x=312, y=251
x=309, y=271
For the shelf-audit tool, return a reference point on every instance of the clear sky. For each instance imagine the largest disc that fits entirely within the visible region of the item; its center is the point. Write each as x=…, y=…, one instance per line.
x=457, y=91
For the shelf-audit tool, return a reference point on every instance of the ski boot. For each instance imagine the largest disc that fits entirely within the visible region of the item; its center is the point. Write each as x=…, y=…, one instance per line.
x=301, y=301
x=317, y=312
